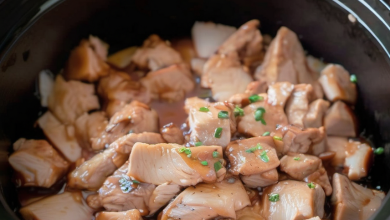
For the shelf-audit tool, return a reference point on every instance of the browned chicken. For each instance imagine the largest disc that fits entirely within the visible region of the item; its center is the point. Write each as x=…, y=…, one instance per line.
x=135, y=117
x=62, y=136
x=89, y=126
x=125, y=144
x=293, y=200
x=161, y=195
x=298, y=104
x=306, y=168
x=185, y=47
x=155, y=54
x=172, y=163
x=163, y=83
x=195, y=102
x=253, y=88
x=64, y=206
x=86, y=61
x=132, y=214
x=340, y=120
x=358, y=158
x=37, y=163
x=279, y=93
x=172, y=134
x=207, y=201
x=261, y=179
x=352, y=201
x=335, y=81
x=211, y=124
x=338, y=146
x=315, y=114
x=250, y=212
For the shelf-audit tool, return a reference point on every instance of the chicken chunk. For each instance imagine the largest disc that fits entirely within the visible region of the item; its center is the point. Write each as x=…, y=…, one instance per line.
x=337, y=85
x=172, y=163
x=292, y=199
x=279, y=93
x=298, y=104
x=197, y=65
x=272, y=116
x=90, y=126
x=340, y=120
x=250, y=212
x=163, y=83
x=132, y=214
x=253, y=88
x=194, y=102
x=186, y=49
x=207, y=201
x=70, y=99
x=124, y=144
x=212, y=124
x=161, y=195
x=135, y=117
x=86, y=61
x=315, y=114
x=172, y=134
x=352, y=201
x=358, y=158
x=64, y=206
x=338, y=146
x=261, y=180
x=37, y=163
x=122, y=58
x=155, y=54
x=63, y=137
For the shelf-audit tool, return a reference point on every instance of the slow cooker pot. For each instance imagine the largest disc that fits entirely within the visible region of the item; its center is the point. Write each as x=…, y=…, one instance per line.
x=38, y=34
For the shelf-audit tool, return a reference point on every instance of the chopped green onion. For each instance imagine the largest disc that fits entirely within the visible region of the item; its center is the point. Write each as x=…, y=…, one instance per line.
x=136, y=182
x=266, y=133
x=186, y=151
x=129, y=117
x=297, y=158
x=274, y=197
x=252, y=149
x=379, y=151
x=223, y=114
x=278, y=138
x=197, y=144
x=259, y=115
x=353, y=78
x=264, y=157
x=255, y=98
x=215, y=154
x=204, y=163
x=238, y=111
x=311, y=185
x=217, y=166
x=204, y=109
x=218, y=132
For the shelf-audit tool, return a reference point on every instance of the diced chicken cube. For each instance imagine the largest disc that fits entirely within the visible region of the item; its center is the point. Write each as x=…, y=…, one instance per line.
x=64, y=206
x=352, y=201
x=358, y=158
x=298, y=104
x=335, y=81
x=122, y=58
x=340, y=120
x=279, y=93
x=172, y=134
x=132, y=214
x=338, y=146
x=292, y=199
x=253, y=88
x=125, y=144
x=70, y=99
x=194, y=102
x=172, y=163
x=250, y=212
x=163, y=83
x=161, y=195
x=315, y=114
x=207, y=201
x=261, y=180
x=37, y=163
x=89, y=126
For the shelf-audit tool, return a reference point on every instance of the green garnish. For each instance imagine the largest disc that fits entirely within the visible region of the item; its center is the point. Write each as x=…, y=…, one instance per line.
x=215, y=154
x=259, y=115
x=129, y=117
x=136, y=182
x=197, y=144
x=126, y=183
x=186, y=151
x=238, y=111
x=353, y=78
x=255, y=98
x=204, y=109
x=266, y=133
x=223, y=114
x=278, y=138
x=252, y=149
x=274, y=197
x=218, y=132
x=311, y=185
x=379, y=151
x=264, y=157
x=296, y=158
x=204, y=163
x=217, y=166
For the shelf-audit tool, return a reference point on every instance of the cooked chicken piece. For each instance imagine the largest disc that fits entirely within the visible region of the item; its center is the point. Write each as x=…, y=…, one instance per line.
x=285, y=61
x=358, y=158
x=155, y=54
x=306, y=168
x=298, y=104
x=89, y=126
x=163, y=83
x=125, y=144
x=315, y=64
x=197, y=65
x=315, y=114
x=99, y=47
x=46, y=84
x=70, y=99
x=161, y=195
x=194, y=102
x=207, y=201
x=272, y=116
x=122, y=58
x=133, y=214
x=186, y=49
x=292, y=199
x=212, y=124
x=225, y=75
x=278, y=93
x=63, y=137
x=250, y=212
x=314, y=218
x=337, y=145
x=64, y=206
x=261, y=180
x=253, y=88
x=335, y=81
x=36, y=163
x=175, y=164
x=91, y=174
x=352, y=201
x=318, y=147
x=252, y=156
x=340, y=120
x=208, y=36
x=135, y=117
x=172, y=134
